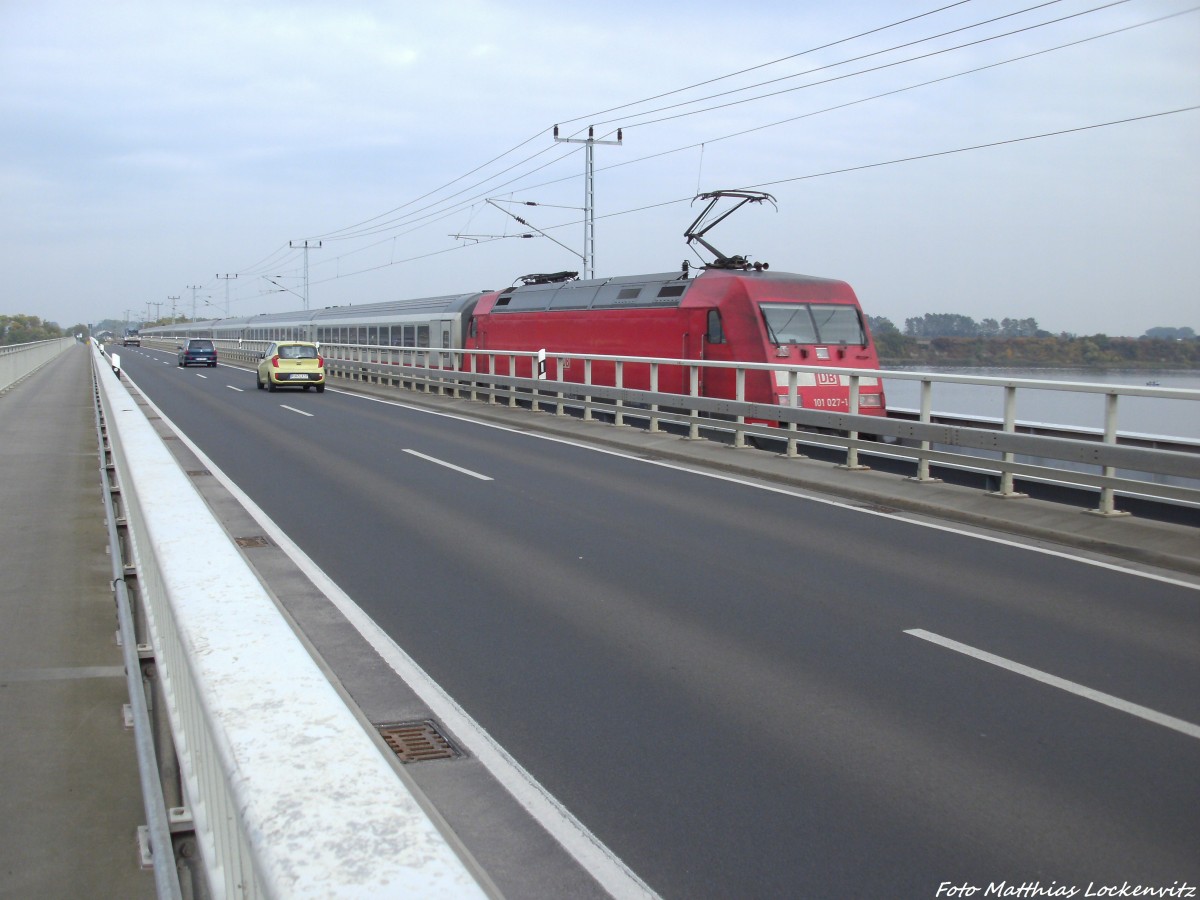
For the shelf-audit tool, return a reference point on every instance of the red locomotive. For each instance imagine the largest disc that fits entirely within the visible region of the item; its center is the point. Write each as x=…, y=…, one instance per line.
x=722, y=315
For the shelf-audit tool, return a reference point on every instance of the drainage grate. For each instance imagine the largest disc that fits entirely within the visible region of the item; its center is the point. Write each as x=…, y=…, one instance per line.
x=418, y=741
x=250, y=541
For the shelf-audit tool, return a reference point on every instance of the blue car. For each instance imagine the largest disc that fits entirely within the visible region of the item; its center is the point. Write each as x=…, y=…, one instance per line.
x=198, y=352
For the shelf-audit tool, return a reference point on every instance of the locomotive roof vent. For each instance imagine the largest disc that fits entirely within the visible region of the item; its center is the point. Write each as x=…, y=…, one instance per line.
x=548, y=278
x=696, y=233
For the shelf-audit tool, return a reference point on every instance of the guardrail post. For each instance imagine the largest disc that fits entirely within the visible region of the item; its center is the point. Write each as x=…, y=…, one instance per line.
x=654, y=429
x=512, y=388
x=694, y=391
x=739, y=394
x=852, y=437
x=1006, y=491
x=587, y=398
x=793, y=402
x=923, y=475
x=619, y=415
x=559, y=376
x=1107, y=495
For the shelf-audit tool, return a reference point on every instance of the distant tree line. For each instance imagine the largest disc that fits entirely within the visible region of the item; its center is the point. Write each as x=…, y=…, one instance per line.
x=933, y=325
x=947, y=339
x=1171, y=334
x=21, y=329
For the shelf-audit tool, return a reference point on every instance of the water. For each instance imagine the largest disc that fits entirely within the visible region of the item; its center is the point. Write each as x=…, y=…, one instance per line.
x=1136, y=415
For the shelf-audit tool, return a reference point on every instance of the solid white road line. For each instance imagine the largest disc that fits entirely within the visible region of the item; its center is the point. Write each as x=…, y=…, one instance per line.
x=441, y=462
x=1125, y=706
x=293, y=409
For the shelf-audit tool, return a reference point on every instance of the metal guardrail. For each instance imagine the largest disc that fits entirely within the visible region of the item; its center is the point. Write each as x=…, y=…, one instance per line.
x=1103, y=460
x=288, y=794
x=19, y=360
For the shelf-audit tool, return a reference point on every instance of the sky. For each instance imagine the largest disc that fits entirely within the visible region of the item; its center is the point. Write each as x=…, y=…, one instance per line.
x=151, y=149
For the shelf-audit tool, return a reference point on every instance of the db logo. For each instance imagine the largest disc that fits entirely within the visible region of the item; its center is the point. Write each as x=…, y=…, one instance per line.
x=826, y=378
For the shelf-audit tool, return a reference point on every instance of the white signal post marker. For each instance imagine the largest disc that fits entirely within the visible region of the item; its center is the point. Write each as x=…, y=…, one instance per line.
x=1124, y=706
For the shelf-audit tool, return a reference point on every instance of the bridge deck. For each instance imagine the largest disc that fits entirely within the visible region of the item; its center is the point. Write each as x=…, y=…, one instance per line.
x=71, y=788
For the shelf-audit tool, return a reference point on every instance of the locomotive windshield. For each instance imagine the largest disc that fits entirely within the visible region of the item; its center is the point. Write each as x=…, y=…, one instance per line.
x=813, y=323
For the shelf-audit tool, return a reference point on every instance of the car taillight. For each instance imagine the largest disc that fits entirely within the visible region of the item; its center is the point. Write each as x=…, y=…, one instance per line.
x=320, y=362
x=868, y=401
x=275, y=361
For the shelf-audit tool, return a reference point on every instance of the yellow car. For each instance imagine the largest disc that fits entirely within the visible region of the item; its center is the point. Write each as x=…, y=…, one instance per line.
x=291, y=364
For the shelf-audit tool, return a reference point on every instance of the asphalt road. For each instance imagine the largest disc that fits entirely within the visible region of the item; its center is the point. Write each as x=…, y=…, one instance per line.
x=743, y=693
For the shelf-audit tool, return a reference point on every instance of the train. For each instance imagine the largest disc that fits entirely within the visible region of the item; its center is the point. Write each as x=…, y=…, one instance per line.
x=732, y=314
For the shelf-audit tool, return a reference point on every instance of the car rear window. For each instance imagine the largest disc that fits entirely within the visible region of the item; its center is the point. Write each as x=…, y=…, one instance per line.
x=298, y=351
x=200, y=345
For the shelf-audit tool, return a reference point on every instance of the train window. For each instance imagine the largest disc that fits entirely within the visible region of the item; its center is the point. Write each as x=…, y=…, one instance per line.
x=473, y=328
x=422, y=335
x=410, y=336
x=716, y=332
x=837, y=324
x=789, y=323
x=373, y=334
x=804, y=323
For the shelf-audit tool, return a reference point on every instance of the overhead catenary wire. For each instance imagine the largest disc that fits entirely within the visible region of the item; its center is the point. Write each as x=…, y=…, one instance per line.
x=351, y=231
x=809, y=114
x=338, y=233
x=889, y=93
x=402, y=220
x=773, y=62
x=921, y=156
x=843, y=171
x=415, y=219
x=878, y=68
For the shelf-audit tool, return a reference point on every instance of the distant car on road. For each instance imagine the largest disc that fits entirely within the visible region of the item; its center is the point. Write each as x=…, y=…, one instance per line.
x=291, y=364
x=197, y=352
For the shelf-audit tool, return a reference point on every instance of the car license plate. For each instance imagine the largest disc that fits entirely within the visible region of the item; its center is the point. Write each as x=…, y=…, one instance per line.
x=298, y=377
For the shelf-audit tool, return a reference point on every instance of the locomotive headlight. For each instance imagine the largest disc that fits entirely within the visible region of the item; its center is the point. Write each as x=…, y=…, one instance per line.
x=868, y=401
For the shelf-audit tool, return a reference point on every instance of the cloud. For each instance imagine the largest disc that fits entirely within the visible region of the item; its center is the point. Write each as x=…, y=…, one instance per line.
x=157, y=142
